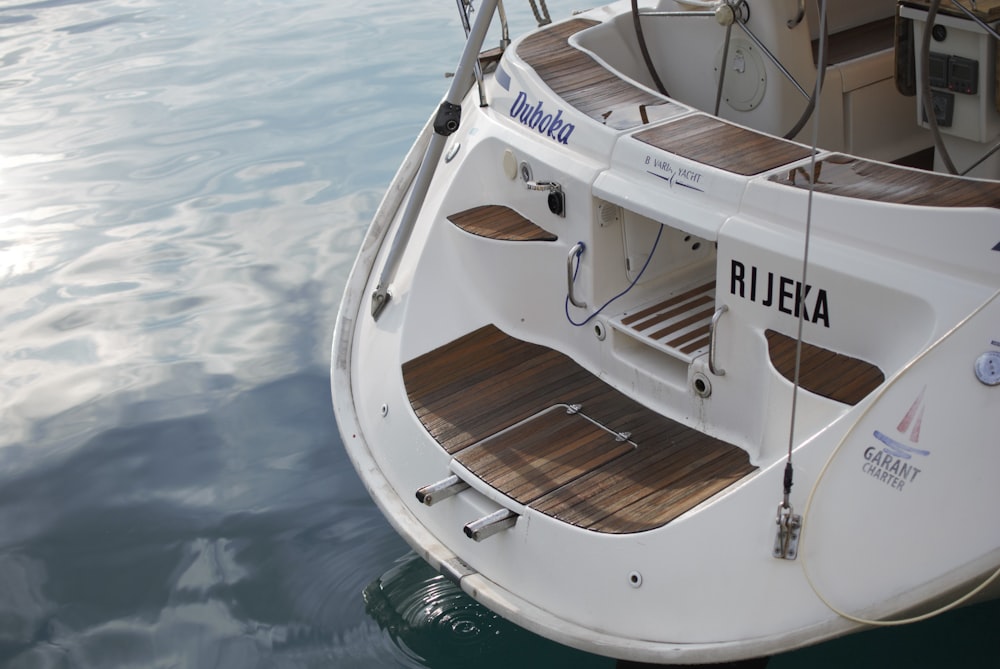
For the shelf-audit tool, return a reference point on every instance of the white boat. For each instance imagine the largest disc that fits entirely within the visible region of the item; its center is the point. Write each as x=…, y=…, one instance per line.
x=649, y=379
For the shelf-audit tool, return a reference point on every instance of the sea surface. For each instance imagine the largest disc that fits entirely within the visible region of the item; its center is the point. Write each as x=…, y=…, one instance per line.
x=183, y=185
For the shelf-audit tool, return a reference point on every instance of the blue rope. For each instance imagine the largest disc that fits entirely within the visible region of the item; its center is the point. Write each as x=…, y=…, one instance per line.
x=621, y=294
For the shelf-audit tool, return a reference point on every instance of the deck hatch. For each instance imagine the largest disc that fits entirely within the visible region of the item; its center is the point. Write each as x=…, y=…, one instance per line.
x=543, y=453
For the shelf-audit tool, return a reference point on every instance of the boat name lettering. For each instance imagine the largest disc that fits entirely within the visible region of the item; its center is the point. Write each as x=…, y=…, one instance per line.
x=892, y=471
x=536, y=117
x=781, y=292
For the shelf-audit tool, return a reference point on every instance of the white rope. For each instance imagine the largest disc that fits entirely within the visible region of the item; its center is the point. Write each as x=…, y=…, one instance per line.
x=822, y=473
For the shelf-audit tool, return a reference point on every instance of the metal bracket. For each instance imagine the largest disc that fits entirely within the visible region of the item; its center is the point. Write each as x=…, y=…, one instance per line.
x=487, y=526
x=556, y=200
x=443, y=489
x=380, y=298
x=786, y=541
x=449, y=117
x=550, y=186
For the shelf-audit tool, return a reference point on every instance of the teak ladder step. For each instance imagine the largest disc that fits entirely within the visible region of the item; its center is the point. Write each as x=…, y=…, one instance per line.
x=678, y=325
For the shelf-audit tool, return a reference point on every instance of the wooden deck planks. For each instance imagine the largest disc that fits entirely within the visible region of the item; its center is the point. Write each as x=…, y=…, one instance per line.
x=833, y=375
x=501, y=223
x=710, y=141
x=858, y=41
x=543, y=454
x=558, y=463
x=576, y=77
x=648, y=487
x=461, y=402
x=866, y=180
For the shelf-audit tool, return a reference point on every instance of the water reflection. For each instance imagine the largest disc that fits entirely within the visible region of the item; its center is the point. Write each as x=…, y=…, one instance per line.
x=223, y=536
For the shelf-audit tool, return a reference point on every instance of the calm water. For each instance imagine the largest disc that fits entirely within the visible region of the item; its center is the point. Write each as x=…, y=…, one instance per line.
x=183, y=185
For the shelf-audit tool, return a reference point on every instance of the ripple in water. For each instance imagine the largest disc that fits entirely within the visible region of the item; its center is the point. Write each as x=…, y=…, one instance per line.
x=435, y=624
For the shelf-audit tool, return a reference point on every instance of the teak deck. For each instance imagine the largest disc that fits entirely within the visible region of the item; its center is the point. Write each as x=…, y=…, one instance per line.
x=707, y=140
x=596, y=91
x=503, y=223
x=576, y=77
x=469, y=392
x=866, y=180
x=833, y=375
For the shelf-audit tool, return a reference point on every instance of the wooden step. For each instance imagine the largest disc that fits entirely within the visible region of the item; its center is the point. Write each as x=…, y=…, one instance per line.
x=498, y=222
x=678, y=325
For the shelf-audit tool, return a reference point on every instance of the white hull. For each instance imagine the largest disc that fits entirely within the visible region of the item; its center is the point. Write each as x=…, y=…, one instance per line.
x=896, y=521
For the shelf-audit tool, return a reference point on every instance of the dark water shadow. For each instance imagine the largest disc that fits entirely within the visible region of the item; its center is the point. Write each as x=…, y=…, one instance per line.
x=435, y=624
x=238, y=534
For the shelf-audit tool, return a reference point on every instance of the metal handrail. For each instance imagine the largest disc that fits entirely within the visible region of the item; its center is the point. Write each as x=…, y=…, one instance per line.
x=799, y=15
x=712, y=331
x=573, y=254
x=445, y=124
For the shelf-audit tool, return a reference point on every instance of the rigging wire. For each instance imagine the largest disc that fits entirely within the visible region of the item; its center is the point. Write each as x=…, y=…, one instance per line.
x=821, y=60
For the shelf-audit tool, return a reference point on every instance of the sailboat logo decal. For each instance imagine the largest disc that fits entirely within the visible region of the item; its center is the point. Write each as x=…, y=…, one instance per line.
x=910, y=423
x=894, y=463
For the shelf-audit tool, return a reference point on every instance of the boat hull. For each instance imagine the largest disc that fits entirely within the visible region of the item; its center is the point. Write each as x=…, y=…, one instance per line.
x=604, y=441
